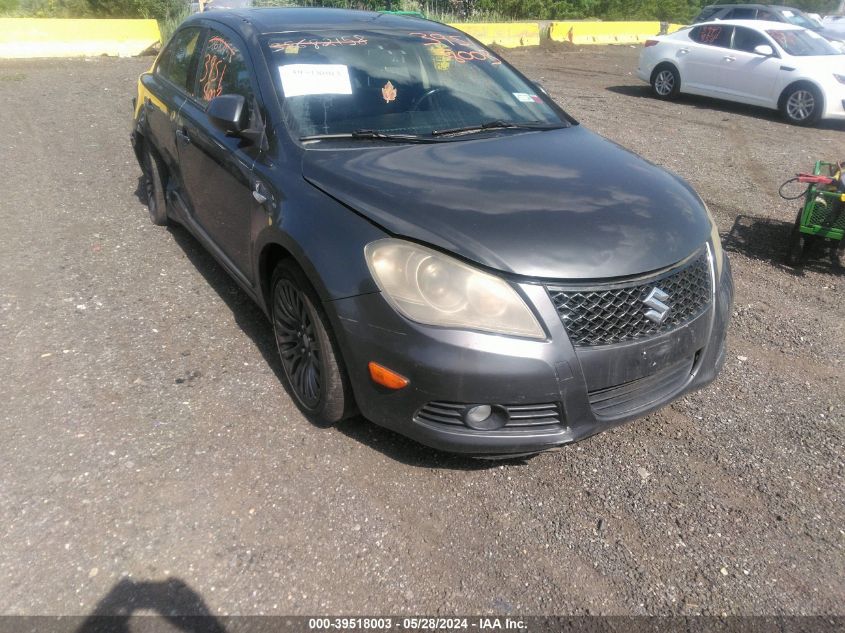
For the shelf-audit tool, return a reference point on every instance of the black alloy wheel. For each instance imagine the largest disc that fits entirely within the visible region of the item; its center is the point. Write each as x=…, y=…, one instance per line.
x=310, y=363
x=154, y=189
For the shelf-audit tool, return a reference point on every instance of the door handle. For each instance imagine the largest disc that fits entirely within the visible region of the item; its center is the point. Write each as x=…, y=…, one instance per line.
x=260, y=193
x=182, y=134
x=729, y=58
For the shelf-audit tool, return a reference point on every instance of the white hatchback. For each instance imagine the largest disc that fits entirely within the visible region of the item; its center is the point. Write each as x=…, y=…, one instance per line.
x=769, y=64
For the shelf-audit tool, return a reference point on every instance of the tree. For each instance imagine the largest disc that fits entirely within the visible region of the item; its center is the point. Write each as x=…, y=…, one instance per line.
x=158, y=9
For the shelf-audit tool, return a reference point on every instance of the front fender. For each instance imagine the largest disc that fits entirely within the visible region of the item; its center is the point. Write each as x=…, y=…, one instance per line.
x=325, y=238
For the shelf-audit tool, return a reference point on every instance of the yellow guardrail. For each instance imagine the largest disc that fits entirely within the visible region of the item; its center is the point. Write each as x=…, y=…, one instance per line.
x=606, y=32
x=54, y=37
x=507, y=34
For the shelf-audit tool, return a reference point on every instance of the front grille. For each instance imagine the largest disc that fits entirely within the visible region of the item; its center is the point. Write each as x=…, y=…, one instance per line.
x=615, y=312
x=620, y=400
x=519, y=415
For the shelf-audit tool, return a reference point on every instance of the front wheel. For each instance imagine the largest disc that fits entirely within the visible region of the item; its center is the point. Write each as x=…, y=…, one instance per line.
x=666, y=82
x=802, y=105
x=309, y=357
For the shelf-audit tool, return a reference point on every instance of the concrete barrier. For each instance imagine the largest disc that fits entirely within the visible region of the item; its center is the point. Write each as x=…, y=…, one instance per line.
x=49, y=37
x=606, y=32
x=53, y=37
x=507, y=34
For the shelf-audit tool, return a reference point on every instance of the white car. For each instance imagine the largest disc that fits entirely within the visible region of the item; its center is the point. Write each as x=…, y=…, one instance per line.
x=834, y=23
x=769, y=64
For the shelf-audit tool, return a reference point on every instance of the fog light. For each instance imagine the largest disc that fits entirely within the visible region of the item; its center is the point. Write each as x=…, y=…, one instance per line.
x=485, y=417
x=478, y=414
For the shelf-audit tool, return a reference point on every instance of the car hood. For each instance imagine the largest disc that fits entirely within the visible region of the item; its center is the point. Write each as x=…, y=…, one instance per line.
x=562, y=204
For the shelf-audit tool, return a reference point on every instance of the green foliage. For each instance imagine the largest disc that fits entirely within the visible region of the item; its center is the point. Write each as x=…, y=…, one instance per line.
x=503, y=10
x=821, y=7
x=670, y=10
x=158, y=9
x=53, y=8
x=168, y=25
x=8, y=7
x=170, y=13
x=666, y=10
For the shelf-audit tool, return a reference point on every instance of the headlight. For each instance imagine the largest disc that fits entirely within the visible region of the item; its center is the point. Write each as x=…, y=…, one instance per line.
x=715, y=241
x=432, y=288
x=839, y=78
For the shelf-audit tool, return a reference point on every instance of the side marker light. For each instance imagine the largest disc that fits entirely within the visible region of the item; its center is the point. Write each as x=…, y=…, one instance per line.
x=387, y=378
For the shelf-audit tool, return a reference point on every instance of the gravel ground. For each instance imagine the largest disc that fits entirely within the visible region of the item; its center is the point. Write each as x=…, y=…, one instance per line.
x=151, y=455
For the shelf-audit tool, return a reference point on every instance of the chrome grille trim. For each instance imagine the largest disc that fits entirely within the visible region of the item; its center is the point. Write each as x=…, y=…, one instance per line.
x=613, y=312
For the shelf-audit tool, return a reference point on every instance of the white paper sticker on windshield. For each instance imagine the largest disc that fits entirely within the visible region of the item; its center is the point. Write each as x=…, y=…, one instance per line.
x=315, y=79
x=788, y=14
x=524, y=97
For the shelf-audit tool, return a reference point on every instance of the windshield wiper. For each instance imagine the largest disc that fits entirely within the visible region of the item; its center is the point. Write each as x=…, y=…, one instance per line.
x=498, y=124
x=367, y=135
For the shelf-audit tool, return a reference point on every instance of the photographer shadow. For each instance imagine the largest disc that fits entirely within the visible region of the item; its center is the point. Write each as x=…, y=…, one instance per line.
x=173, y=602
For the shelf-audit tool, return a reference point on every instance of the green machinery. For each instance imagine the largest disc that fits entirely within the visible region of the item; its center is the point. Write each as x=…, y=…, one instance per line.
x=822, y=216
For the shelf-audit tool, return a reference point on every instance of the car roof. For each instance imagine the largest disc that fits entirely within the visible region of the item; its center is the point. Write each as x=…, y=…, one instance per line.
x=756, y=24
x=778, y=7
x=280, y=20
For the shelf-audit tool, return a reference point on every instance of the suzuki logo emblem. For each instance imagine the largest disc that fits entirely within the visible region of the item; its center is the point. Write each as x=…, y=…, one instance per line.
x=659, y=310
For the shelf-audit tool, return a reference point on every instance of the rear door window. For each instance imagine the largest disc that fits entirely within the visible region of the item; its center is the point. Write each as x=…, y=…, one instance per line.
x=177, y=62
x=713, y=35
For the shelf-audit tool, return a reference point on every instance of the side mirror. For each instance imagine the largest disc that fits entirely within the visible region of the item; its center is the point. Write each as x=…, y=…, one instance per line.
x=228, y=113
x=764, y=49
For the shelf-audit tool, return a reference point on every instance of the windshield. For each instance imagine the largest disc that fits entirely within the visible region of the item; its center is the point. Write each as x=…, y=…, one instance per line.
x=401, y=83
x=802, y=43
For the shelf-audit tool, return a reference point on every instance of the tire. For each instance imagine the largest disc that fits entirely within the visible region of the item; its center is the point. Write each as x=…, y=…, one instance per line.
x=666, y=82
x=802, y=104
x=154, y=187
x=313, y=369
x=797, y=243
